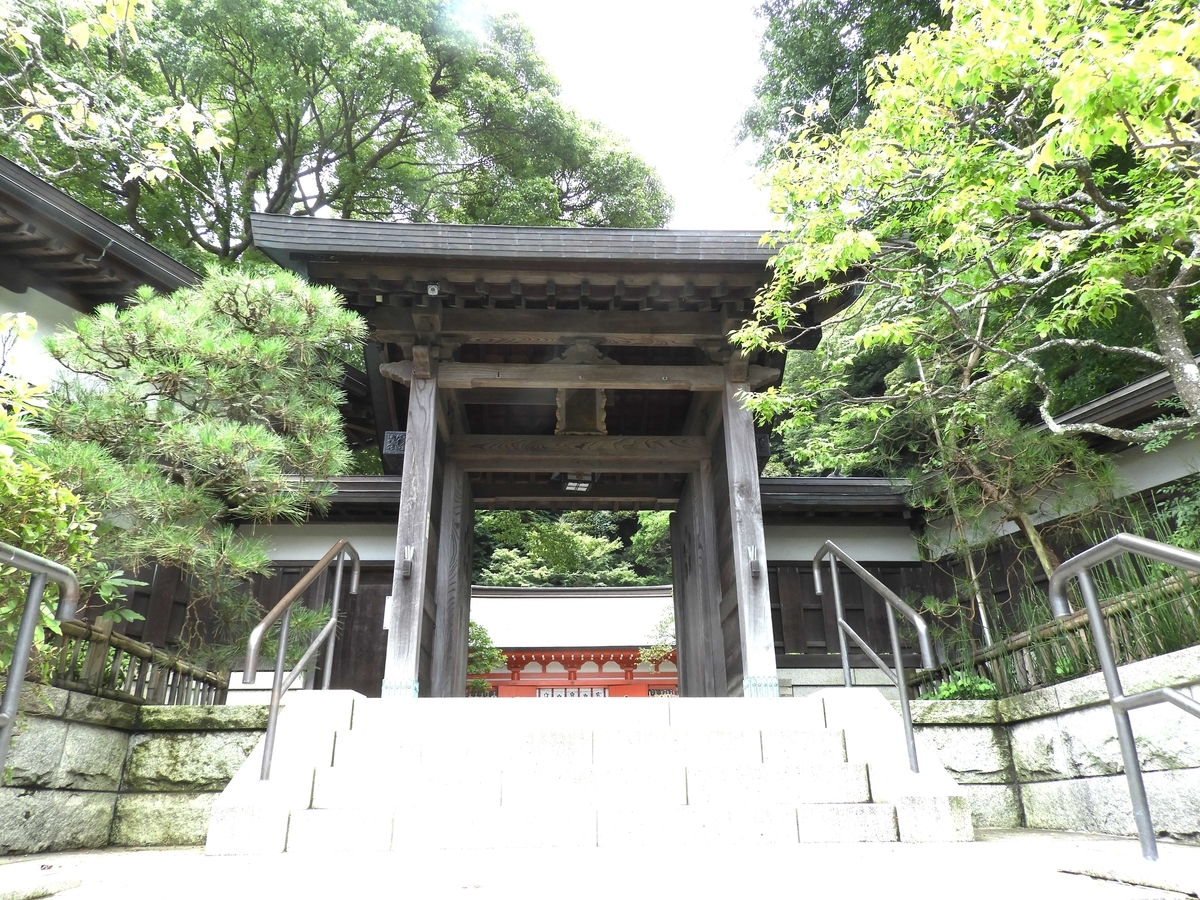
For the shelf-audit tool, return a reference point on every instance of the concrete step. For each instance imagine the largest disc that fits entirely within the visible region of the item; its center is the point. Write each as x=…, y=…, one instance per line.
x=358, y=774
x=473, y=828
x=612, y=747
x=527, y=713
x=717, y=783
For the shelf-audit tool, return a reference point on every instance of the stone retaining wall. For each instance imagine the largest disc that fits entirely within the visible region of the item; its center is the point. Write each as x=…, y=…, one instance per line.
x=1050, y=758
x=88, y=772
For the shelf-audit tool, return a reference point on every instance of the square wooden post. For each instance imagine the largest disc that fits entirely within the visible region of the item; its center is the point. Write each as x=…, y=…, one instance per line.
x=682, y=556
x=400, y=674
x=453, y=584
x=697, y=588
x=760, y=678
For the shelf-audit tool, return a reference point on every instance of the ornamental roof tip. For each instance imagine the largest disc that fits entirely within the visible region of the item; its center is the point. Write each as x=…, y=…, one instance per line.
x=281, y=236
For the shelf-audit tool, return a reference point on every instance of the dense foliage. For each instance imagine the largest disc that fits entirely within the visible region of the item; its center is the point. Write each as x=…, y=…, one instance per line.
x=380, y=109
x=67, y=77
x=662, y=641
x=197, y=411
x=482, y=655
x=1026, y=174
x=818, y=51
x=575, y=549
x=38, y=512
x=1018, y=208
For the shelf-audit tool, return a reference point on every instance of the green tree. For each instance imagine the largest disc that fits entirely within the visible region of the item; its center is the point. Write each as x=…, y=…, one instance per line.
x=384, y=109
x=482, y=657
x=38, y=513
x=66, y=77
x=573, y=549
x=662, y=641
x=817, y=53
x=194, y=412
x=1025, y=174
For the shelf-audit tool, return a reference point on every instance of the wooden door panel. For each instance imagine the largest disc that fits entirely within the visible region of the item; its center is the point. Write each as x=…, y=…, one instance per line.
x=362, y=642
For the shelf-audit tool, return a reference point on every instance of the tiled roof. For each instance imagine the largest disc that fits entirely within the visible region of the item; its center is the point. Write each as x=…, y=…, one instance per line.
x=280, y=236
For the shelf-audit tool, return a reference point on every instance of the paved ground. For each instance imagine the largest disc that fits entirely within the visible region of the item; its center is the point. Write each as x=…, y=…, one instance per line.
x=1013, y=865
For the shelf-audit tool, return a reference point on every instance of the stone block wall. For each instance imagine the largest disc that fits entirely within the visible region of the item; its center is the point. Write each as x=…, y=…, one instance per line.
x=88, y=772
x=1050, y=758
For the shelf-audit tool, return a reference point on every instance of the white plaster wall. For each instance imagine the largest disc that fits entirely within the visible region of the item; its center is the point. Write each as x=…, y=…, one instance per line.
x=1140, y=470
x=867, y=543
x=30, y=358
x=1137, y=471
x=546, y=617
x=374, y=543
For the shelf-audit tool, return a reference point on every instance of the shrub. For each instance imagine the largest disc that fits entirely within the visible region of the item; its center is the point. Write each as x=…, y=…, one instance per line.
x=964, y=686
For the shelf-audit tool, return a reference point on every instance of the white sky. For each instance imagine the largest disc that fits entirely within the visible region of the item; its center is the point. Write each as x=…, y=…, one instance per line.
x=673, y=77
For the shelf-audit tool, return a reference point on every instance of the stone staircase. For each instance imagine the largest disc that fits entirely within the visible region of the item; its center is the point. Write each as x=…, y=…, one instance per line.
x=358, y=774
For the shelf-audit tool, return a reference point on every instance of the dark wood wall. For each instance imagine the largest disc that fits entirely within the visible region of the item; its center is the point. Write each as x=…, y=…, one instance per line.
x=805, y=623
x=361, y=648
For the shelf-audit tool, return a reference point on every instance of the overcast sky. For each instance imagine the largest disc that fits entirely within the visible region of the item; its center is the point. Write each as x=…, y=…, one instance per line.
x=673, y=77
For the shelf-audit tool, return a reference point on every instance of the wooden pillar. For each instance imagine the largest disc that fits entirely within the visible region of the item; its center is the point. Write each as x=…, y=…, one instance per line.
x=708, y=581
x=760, y=678
x=682, y=555
x=701, y=658
x=453, y=584
x=400, y=674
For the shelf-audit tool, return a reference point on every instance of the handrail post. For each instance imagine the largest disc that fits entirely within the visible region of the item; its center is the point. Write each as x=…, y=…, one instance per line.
x=902, y=689
x=892, y=605
x=337, y=596
x=841, y=615
x=276, y=696
x=1112, y=680
x=41, y=570
x=282, y=613
x=20, y=663
x=1079, y=566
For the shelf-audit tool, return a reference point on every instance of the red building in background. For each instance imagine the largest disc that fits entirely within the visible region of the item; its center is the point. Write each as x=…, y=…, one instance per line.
x=575, y=642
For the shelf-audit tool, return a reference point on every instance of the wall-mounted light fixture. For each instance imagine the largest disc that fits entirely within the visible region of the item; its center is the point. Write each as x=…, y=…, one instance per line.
x=578, y=482
x=407, y=563
x=755, y=565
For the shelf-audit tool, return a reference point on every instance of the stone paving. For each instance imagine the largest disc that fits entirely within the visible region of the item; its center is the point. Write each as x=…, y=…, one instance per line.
x=1001, y=864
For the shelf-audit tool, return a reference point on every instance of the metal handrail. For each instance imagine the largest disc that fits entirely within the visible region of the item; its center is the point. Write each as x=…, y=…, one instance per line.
x=68, y=601
x=283, y=610
x=1078, y=567
x=894, y=604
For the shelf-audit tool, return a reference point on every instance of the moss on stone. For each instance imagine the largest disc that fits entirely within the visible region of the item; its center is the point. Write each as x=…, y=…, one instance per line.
x=202, y=718
x=186, y=761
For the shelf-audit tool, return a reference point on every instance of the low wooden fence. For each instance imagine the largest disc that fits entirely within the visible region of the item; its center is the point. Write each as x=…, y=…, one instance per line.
x=95, y=661
x=1141, y=624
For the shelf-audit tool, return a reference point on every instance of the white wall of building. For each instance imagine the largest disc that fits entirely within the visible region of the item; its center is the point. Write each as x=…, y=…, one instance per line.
x=1140, y=470
x=1137, y=470
x=867, y=543
x=570, y=618
x=785, y=543
x=30, y=358
x=292, y=543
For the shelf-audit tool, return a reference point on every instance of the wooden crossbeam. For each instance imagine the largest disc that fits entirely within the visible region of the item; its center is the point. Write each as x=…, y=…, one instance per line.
x=529, y=326
x=577, y=453
x=648, y=494
x=471, y=376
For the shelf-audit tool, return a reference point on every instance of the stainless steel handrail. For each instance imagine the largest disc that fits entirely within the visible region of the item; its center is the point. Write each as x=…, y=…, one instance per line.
x=894, y=604
x=68, y=601
x=1078, y=567
x=283, y=610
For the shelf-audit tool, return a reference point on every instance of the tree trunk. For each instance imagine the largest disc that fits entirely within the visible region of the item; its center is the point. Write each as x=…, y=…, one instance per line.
x=1173, y=345
x=1047, y=557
